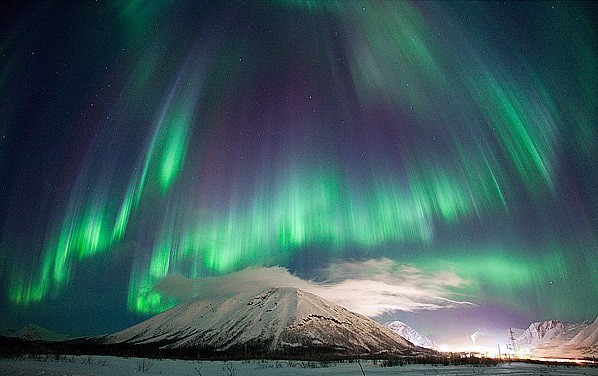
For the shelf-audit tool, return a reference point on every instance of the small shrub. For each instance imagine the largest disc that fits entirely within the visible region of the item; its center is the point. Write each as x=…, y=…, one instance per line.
x=144, y=365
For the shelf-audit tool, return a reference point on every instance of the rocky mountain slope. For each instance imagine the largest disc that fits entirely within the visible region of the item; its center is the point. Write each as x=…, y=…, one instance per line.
x=278, y=320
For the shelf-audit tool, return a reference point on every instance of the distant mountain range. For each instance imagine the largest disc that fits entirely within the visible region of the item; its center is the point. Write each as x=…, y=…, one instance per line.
x=279, y=321
x=410, y=334
x=545, y=338
x=561, y=339
x=33, y=332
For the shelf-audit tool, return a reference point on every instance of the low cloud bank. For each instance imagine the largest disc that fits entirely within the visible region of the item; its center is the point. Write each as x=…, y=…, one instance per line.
x=370, y=287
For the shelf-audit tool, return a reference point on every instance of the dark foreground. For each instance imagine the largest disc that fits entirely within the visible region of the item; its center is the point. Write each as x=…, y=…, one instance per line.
x=116, y=366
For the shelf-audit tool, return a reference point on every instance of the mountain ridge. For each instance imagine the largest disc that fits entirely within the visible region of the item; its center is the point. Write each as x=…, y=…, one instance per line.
x=559, y=338
x=33, y=332
x=276, y=320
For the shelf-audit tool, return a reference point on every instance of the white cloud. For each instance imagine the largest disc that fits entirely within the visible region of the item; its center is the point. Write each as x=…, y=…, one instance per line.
x=369, y=287
x=377, y=286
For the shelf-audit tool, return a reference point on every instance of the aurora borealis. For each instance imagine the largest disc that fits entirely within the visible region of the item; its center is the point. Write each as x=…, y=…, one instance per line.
x=146, y=139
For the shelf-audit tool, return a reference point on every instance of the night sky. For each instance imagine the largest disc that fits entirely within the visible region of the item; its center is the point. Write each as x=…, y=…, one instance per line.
x=434, y=162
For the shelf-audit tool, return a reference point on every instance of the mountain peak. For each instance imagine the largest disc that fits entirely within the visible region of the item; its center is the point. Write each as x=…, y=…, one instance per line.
x=281, y=320
x=410, y=334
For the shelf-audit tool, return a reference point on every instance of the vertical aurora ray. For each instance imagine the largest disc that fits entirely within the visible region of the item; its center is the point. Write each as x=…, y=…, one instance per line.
x=142, y=296
x=173, y=152
x=80, y=237
x=167, y=149
x=525, y=129
x=93, y=224
x=122, y=219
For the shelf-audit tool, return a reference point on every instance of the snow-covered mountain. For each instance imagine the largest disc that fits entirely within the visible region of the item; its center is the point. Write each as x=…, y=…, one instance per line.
x=586, y=338
x=282, y=320
x=553, y=332
x=410, y=334
x=557, y=338
x=33, y=332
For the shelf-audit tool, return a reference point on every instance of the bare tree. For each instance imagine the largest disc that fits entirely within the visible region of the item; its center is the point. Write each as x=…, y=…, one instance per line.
x=230, y=368
x=144, y=365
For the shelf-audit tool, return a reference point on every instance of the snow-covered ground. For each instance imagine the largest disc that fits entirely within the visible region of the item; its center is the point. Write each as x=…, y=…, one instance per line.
x=113, y=366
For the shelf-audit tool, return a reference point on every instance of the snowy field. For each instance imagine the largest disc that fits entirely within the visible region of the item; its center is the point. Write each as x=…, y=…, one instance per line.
x=113, y=366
